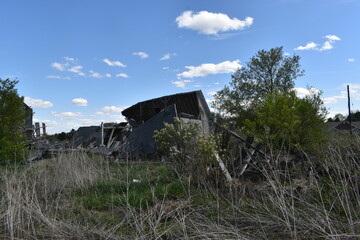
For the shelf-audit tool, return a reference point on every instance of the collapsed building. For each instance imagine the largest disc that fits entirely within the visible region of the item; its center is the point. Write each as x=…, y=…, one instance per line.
x=136, y=136
x=148, y=116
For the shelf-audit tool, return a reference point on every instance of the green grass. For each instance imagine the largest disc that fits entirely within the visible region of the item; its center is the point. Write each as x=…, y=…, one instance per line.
x=156, y=183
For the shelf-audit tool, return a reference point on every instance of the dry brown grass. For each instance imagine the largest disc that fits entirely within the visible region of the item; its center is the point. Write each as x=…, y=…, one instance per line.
x=322, y=202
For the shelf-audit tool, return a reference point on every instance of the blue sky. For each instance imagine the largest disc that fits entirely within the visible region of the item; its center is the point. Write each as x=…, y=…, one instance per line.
x=81, y=62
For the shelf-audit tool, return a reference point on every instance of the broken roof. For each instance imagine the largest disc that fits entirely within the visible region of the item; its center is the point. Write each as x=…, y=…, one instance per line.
x=188, y=103
x=141, y=140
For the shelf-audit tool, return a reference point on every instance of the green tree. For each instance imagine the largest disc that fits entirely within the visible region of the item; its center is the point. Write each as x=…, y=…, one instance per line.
x=284, y=121
x=266, y=73
x=12, y=120
x=261, y=100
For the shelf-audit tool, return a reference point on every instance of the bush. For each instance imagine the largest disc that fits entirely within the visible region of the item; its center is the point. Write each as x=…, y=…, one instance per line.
x=190, y=151
x=285, y=122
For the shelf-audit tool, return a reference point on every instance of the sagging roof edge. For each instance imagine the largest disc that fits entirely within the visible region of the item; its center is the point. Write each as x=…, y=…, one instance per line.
x=200, y=97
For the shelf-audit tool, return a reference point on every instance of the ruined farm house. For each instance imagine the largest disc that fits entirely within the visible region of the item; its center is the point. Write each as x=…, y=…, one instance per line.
x=135, y=137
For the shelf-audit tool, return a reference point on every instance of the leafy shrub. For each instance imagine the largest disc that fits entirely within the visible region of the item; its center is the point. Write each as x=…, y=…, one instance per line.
x=285, y=122
x=190, y=151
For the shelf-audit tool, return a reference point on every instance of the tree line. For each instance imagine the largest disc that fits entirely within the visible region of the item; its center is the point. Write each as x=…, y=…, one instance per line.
x=12, y=122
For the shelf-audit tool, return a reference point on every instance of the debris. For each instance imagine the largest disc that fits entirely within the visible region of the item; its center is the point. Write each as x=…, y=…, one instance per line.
x=107, y=135
x=35, y=155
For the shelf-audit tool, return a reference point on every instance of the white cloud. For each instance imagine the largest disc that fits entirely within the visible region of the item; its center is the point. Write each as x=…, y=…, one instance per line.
x=57, y=77
x=111, y=113
x=76, y=69
x=327, y=45
x=210, y=68
x=123, y=75
x=50, y=124
x=108, y=75
x=211, y=23
x=54, y=76
x=67, y=114
x=37, y=103
x=47, y=122
x=308, y=46
x=80, y=102
x=113, y=63
x=142, y=55
x=211, y=93
x=333, y=99
x=351, y=59
x=167, y=56
x=332, y=38
x=209, y=101
x=181, y=83
x=89, y=122
x=354, y=86
x=354, y=94
x=302, y=92
x=109, y=117
x=95, y=74
x=69, y=59
x=60, y=66
x=165, y=68
x=107, y=109
x=67, y=66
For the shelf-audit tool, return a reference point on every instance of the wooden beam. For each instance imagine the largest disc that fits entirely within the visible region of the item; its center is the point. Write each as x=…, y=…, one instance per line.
x=110, y=141
x=247, y=161
x=223, y=167
x=247, y=144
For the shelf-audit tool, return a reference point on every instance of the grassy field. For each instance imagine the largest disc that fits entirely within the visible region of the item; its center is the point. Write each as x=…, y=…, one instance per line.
x=76, y=196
